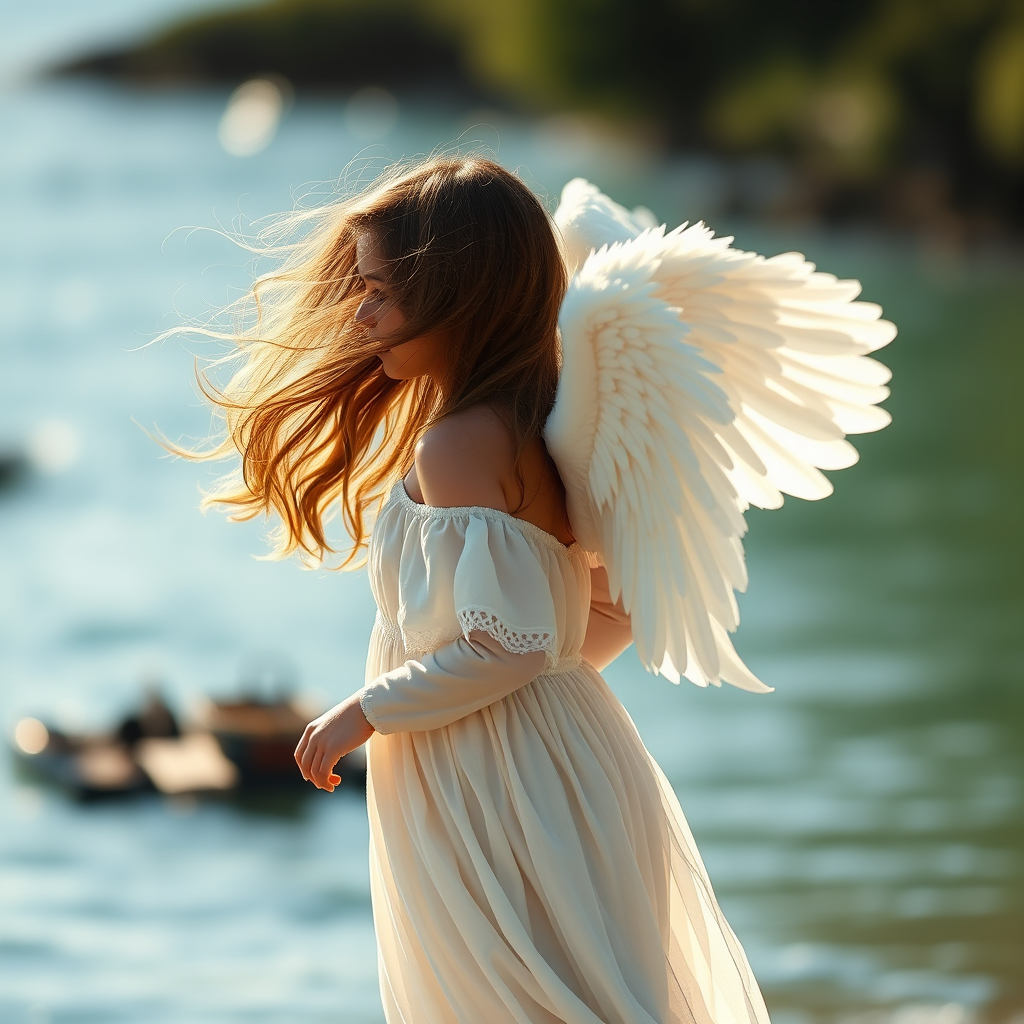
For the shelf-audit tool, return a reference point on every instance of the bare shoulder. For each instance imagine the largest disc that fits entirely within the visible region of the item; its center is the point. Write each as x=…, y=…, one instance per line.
x=469, y=459
x=463, y=460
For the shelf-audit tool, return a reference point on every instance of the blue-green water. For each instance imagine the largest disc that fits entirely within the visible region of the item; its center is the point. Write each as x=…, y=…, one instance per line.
x=863, y=825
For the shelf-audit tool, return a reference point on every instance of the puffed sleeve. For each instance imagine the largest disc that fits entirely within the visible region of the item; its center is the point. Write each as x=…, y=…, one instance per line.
x=478, y=607
x=474, y=572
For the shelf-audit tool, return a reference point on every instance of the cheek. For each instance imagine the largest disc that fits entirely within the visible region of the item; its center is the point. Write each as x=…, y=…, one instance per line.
x=390, y=322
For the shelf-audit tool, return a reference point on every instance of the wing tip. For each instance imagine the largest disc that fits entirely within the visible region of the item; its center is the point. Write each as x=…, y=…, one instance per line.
x=736, y=674
x=751, y=685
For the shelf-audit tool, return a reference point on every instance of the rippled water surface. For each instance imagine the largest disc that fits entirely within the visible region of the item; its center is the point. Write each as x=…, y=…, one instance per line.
x=863, y=824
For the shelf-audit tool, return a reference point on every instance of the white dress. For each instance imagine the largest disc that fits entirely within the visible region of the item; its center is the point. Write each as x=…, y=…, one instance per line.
x=529, y=861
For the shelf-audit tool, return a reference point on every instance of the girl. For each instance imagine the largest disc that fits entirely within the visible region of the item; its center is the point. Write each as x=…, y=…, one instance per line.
x=529, y=861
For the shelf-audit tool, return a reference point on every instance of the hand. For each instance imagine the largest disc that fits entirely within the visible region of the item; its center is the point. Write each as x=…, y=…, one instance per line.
x=329, y=738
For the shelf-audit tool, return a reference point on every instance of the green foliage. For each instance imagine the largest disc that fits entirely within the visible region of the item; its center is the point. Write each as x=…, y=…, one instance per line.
x=850, y=89
x=317, y=43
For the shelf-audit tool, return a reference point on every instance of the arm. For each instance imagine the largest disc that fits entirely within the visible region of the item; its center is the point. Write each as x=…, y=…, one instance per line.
x=458, y=463
x=455, y=680
x=609, y=631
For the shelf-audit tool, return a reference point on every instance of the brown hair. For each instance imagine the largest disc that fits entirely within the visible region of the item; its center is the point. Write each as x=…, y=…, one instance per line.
x=319, y=425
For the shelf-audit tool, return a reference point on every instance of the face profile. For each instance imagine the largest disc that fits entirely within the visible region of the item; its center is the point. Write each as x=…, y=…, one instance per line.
x=382, y=318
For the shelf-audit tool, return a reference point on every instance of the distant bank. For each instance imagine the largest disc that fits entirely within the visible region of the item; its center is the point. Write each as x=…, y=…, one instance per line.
x=906, y=113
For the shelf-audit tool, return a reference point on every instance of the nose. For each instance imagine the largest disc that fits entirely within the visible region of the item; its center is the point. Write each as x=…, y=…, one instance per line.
x=366, y=313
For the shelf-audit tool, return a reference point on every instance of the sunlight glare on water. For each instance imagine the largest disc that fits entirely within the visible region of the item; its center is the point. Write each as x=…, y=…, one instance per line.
x=862, y=825
x=250, y=120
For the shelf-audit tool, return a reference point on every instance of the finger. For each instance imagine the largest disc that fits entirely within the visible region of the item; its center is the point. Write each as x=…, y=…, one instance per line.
x=309, y=757
x=320, y=769
x=334, y=779
x=303, y=744
x=298, y=761
x=323, y=768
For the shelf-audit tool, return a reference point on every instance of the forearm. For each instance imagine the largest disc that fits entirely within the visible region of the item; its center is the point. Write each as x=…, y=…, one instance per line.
x=609, y=631
x=606, y=639
x=454, y=681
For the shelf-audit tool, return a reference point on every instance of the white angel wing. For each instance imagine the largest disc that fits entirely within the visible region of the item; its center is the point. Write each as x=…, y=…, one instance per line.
x=587, y=219
x=697, y=380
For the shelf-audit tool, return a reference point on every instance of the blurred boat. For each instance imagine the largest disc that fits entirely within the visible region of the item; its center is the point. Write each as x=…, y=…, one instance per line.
x=243, y=745
x=260, y=736
x=192, y=763
x=90, y=767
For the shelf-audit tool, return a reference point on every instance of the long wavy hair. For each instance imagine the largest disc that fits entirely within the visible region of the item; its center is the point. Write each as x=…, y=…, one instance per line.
x=319, y=426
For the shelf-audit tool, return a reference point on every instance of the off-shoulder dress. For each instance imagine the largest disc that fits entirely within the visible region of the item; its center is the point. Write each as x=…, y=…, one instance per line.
x=529, y=861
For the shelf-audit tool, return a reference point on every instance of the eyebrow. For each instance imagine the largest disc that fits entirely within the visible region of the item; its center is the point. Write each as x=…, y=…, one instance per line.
x=373, y=277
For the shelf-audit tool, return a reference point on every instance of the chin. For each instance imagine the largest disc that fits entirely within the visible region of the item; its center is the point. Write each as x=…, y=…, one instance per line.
x=395, y=372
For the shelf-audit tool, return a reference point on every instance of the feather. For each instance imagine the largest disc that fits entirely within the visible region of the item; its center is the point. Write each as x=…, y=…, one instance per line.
x=697, y=380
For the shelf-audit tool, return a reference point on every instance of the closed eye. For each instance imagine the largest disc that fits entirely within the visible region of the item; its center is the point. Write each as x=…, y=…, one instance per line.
x=372, y=286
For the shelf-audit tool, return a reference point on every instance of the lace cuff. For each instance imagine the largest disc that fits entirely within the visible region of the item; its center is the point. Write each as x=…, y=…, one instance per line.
x=515, y=641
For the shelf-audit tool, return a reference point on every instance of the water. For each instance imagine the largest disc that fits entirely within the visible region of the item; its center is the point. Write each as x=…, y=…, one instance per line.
x=862, y=825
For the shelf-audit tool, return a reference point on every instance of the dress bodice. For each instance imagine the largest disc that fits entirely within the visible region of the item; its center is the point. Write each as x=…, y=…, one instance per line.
x=440, y=573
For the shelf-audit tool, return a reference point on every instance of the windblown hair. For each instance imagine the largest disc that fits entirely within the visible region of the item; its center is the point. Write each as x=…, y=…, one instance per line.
x=320, y=427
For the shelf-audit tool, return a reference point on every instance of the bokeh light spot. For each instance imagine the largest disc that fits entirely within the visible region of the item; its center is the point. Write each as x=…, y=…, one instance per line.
x=251, y=118
x=31, y=736
x=54, y=446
